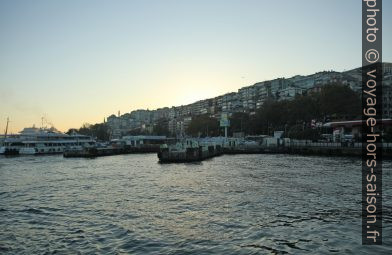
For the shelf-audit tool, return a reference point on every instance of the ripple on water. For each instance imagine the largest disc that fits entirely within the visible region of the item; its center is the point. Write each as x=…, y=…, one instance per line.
x=240, y=204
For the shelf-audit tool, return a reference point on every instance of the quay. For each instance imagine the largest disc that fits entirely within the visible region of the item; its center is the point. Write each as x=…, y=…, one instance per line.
x=106, y=151
x=125, y=145
x=197, y=149
x=190, y=150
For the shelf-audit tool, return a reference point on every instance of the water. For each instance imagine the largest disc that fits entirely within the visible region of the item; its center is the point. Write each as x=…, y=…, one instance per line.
x=130, y=204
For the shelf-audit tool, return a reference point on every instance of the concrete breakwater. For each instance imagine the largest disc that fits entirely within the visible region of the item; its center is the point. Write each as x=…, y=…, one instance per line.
x=190, y=150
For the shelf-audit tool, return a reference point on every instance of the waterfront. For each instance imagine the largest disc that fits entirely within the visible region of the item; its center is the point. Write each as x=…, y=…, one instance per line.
x=233, y=204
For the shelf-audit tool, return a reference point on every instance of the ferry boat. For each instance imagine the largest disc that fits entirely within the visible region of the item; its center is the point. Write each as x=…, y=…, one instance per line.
x=10, y=146
x=32, y=141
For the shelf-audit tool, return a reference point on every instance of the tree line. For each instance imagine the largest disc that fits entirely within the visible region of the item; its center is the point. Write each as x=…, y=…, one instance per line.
x=100, y=131
x=333, y=102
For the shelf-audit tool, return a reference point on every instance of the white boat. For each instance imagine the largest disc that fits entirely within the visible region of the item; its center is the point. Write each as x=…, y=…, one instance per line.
x=34, y=140
x=10, y=145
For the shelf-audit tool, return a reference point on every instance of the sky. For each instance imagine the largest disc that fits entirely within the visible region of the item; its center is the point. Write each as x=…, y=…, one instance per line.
x=73, y=62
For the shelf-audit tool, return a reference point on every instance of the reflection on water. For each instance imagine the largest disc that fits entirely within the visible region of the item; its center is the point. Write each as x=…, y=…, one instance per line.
x=242, y=204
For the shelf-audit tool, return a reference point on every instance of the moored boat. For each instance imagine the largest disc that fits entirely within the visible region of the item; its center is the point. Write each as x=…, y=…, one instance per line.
x=36, y=141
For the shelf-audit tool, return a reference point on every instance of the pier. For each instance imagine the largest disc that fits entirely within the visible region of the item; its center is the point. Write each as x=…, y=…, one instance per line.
x=198, y=149
x=126, y=145
x=106, y=151
x=190, y=150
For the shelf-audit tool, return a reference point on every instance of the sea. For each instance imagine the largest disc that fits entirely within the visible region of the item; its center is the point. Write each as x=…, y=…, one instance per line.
x=232, y=204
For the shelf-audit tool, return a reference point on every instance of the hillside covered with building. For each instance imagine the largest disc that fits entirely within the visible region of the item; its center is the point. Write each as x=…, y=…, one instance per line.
x=255, y=109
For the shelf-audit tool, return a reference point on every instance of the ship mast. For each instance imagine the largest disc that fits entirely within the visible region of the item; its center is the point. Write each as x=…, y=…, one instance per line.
x=6, y=129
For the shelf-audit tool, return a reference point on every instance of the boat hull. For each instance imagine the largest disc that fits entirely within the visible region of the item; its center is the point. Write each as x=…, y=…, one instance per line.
x=9, y=151
x=44, y=150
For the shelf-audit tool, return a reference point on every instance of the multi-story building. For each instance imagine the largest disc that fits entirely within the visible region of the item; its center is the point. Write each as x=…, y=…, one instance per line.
x=290, y=92
x=178, y=127
x=141, y=115
x=247, y=96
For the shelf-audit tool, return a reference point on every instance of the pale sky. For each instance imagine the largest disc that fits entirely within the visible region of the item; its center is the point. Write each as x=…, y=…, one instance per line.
x=76, y=62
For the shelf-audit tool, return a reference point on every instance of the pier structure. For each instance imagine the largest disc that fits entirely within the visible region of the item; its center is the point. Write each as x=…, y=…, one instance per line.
x=125, y=145
x=190, y=150
x=198, y=149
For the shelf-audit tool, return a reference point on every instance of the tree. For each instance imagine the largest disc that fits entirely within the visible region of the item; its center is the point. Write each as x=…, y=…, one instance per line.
x=303, y=109
x=273, y=115
x=161, y=127
x=203, y=125
x=100, y=131
x=71, y=131
x=339, y=101
x=335, y=100
x=299, y=132
x=241, y=122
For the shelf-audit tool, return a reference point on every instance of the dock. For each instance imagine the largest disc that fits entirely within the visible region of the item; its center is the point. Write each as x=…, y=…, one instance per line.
x=126, y=145
x=190, y=150
x=199, y=149
x=108, y=151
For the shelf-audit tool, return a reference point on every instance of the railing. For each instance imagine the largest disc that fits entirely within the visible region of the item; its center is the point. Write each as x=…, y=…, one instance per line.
x=307, y=143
